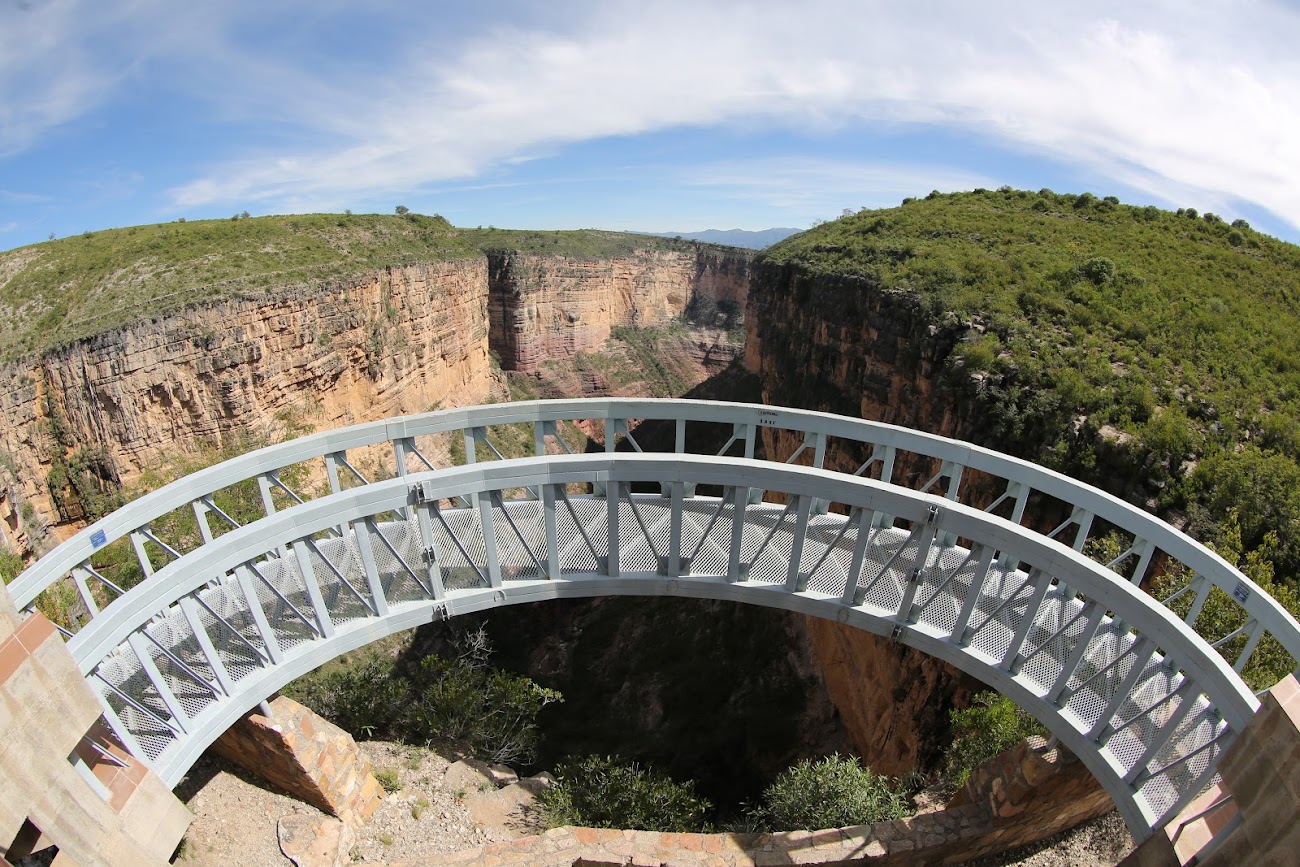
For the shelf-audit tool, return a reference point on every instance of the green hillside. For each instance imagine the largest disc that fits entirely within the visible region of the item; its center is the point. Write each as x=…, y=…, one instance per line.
x=1172, y=340
x=75, y=287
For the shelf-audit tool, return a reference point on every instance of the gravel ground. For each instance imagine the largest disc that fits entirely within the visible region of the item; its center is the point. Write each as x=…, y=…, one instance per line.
x=236, y=819
x=1099, y=843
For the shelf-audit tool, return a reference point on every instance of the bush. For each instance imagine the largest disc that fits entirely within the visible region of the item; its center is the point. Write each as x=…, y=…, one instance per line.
x=610, y=792
x=465, y=699
x=831, y=793
x=11, y=565
x=462, y=699
x=992, y=725
x=359, y=695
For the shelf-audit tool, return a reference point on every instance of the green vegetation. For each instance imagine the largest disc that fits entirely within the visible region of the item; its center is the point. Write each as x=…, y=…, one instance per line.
x=388, y=780
x=1122, y=345
x=462, y=699
x=610, y=792
x=991, y=725
x=54, y=293
x=1221, y=615
x=11, y=565
x=832, y=793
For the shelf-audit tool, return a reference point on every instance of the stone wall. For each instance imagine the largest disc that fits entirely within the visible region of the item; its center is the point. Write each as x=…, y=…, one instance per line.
x=307, y=756
x=1030, y=792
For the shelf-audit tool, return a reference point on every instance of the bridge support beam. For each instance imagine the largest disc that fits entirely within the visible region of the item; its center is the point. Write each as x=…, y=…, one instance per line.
x=307, y=756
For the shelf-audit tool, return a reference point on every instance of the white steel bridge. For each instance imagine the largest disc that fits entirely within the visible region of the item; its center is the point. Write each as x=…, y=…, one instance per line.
x=966, y=554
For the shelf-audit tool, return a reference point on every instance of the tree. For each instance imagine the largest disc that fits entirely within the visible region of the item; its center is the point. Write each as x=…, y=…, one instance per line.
x=402, y=210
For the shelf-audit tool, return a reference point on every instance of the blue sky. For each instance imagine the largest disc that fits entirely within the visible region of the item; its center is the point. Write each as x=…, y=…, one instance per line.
x=650, y=115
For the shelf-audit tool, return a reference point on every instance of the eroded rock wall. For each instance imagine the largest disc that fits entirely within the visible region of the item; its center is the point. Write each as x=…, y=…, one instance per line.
x=842, y=345
x=401, y=340
x=553, y=307
x=404, y=339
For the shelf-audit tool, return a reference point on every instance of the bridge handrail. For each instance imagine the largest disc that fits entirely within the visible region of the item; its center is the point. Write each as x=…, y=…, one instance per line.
x=1182, y=648
x=1264, y=614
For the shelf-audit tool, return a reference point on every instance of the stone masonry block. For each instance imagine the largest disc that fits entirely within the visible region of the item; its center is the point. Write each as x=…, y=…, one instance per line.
x=323, y=768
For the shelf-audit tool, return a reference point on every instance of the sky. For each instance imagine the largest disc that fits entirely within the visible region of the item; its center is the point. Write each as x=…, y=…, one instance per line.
x=652, y=115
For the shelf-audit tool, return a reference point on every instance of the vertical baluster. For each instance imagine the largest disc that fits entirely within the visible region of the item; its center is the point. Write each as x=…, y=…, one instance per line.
x=739, y=499
x=614, y=495
x=169, y=699
x=308, y=572
x=142, y=555
x=924, y=542
x=190, y=609
x=269, y=640
x=79, y=575
x=552, y=563
x=1145, y=549
x=1142, y=654
x=1041, y=585
x=978, y=578
x=429, y=553
x=332, y=470
x=366, y=553
x=866, y=521
x=486, y=503
x=793, y=580
x=201, y=511
x=676, y=500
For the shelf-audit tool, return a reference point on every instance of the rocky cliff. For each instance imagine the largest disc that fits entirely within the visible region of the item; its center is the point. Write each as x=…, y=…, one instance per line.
x=95, y=413
x=839, y=344
x=400, y=340
x=552, y=307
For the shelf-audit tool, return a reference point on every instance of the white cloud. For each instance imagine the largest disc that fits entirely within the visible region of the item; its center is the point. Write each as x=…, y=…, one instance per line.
x=9, y=226
x=1177, y=99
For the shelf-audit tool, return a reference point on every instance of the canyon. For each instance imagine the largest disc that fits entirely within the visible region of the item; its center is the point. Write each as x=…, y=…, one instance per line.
x=110, y=409
x=408, y=338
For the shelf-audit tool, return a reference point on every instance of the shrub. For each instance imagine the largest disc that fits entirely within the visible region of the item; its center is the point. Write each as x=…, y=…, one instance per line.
x=358, y=695
x=831, y=793
x=992, y=725
x=11, y=565
x=610, y=792
x=465, y=699
x=388, y=779
x=462, y=699
x=1221, y=615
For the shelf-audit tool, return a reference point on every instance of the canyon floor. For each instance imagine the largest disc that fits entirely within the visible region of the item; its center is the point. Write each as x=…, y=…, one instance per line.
x=237, y=820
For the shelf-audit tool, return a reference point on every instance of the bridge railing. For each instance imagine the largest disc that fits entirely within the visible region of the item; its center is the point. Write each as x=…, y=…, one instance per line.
x=128, y=546
x=1138, y=696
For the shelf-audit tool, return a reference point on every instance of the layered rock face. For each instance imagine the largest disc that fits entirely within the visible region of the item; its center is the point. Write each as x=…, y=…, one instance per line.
x=405, y=339
x=552, y=307
x=837, y=344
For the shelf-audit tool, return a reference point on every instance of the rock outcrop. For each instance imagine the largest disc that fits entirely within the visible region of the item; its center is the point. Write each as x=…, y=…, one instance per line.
x=552, y=307
x=839, y=344
x=98, y=413
x=402, y=340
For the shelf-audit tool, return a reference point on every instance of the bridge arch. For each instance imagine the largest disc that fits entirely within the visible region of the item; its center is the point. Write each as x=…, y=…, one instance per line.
x=1128, y=686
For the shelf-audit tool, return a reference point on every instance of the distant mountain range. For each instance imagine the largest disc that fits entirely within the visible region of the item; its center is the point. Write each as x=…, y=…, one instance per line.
x=754, y=240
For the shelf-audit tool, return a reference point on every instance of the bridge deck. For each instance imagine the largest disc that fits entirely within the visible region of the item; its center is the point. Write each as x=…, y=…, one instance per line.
x=939, y=544
x=1107, y=678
